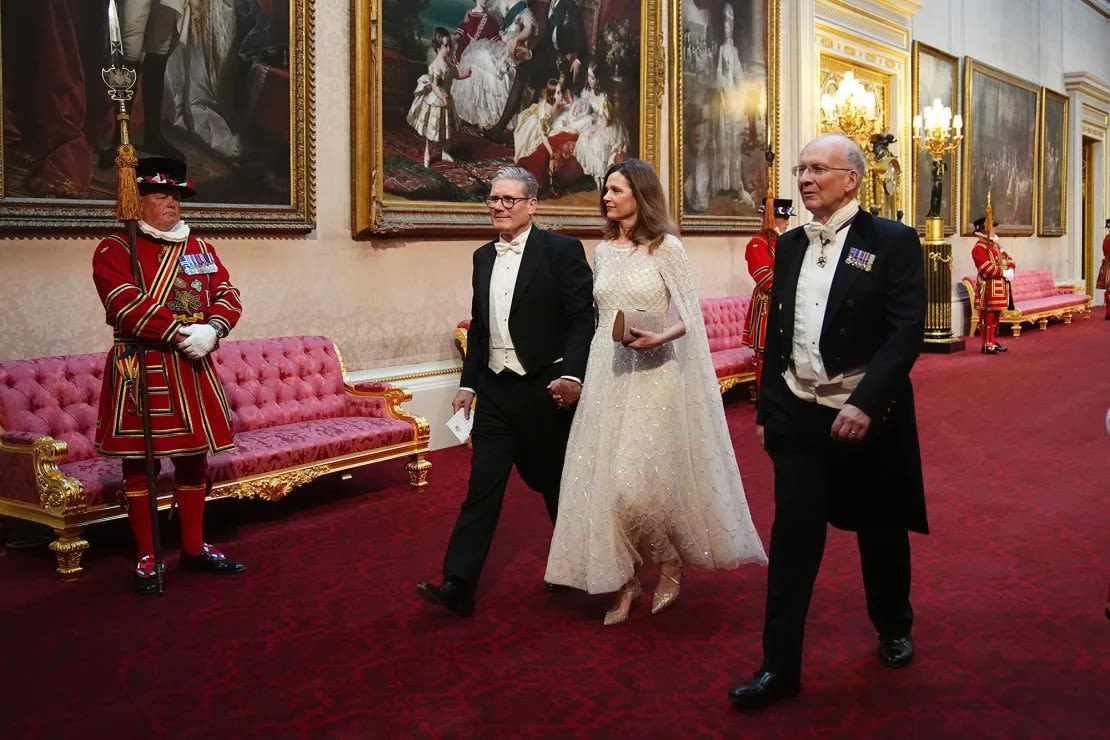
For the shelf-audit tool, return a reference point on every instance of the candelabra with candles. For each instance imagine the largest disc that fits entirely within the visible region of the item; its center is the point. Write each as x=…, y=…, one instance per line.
x=938, y=132
x=850, y=109
x=853, y=110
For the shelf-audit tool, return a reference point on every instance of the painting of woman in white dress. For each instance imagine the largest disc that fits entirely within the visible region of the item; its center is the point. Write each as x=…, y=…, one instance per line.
x=480, y=48
x=726, y=117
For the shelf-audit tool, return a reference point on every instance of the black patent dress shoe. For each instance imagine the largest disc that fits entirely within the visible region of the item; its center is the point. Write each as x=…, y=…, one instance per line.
x=144, y=581
x=451, y=594
x=210, y=560
x=990, y=349
x=764, y=689
x=555, y=588
x=896, y=652
x=1000, y=348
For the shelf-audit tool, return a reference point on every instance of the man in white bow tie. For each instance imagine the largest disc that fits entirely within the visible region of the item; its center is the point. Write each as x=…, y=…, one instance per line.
x=531, y=321
x=836, y=412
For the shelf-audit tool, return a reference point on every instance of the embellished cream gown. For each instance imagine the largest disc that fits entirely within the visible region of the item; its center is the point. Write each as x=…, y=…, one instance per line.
x=650, y=472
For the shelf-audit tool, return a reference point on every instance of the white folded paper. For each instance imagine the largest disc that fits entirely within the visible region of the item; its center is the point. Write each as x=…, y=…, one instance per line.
x=460, y=425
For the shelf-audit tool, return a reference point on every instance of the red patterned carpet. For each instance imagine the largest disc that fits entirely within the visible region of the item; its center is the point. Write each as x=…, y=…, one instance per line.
x=324, y=636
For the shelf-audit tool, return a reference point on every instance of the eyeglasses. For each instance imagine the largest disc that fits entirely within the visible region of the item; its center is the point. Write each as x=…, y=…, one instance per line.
x=817, y=169
x=506, y=201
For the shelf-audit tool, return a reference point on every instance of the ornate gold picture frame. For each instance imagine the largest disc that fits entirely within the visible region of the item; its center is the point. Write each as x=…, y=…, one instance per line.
x=935, y=75
x=234, y=85
x=608, y=102
x=1001, y=131
x=724, y=81
x=1052, y=198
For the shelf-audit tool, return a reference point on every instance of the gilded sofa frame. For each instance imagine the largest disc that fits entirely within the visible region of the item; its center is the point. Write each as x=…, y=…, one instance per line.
x=62, y=504
x=1015, y=317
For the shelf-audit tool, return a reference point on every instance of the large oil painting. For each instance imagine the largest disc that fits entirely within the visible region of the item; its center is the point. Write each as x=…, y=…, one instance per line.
x=936, y=77
x=1053, y=197
x=725, y=81
x=226, y=86
x=1000, y=149
x=446, y=92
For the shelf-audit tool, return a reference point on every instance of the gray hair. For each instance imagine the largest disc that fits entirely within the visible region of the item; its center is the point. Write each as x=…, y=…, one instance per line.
x=853, y=155
x=521, y=175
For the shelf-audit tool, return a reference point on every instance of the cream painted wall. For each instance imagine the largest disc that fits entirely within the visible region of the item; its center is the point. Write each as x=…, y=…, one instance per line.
x=384, y=302
x=1039, y=41
x=395, y=302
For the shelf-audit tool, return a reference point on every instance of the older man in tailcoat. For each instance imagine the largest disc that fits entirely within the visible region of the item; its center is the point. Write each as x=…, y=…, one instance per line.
x=836, y=411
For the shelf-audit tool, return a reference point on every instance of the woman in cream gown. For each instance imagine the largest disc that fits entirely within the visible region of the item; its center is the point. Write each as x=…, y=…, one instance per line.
x=650, y=473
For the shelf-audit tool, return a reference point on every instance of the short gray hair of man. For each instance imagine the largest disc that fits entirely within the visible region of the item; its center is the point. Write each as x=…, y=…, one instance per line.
x=853, y=155
x=521, y=175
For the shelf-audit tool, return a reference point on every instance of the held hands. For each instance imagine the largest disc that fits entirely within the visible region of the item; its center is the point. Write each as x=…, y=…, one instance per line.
x=850, y=425
x=1008, y=273
x=200, y=339
x=464, y=400
x=564, y=392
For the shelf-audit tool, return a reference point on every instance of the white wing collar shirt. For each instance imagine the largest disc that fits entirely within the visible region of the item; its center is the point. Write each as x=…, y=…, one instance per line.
x=806, y=375
x=502, y=283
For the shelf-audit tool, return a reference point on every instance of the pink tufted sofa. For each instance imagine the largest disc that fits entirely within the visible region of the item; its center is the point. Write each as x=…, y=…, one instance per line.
x=295, y=419
x=724, y=323
x=1037, y=298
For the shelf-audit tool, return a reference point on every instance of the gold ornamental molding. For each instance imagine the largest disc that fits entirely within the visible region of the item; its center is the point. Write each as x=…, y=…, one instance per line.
x=868, y=52
x=60, y=493
x=854, y=17
x=272, y=487
x=1094, y=132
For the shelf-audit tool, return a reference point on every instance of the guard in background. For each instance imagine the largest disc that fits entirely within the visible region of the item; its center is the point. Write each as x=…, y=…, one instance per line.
x=1104, y=271
x=996, y=270
x=188, y=306
x=760, y=255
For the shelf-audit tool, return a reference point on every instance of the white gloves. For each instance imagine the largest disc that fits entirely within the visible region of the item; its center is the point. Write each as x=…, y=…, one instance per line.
x=1008, y=273
x=200, y=339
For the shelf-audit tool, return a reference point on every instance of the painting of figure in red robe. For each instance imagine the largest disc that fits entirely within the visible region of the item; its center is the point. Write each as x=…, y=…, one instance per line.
x=213, y=88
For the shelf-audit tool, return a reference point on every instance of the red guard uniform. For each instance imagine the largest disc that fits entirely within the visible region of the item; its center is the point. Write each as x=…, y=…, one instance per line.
x=994, y=290
x=1104, y=271
x=188, y=409
x=186, y=284
x=760, y=255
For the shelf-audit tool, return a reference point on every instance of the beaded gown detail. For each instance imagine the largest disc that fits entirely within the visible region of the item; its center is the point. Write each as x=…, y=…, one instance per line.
x=650, y=471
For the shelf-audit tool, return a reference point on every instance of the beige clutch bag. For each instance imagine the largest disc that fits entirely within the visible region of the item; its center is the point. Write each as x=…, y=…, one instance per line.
x=639, y=319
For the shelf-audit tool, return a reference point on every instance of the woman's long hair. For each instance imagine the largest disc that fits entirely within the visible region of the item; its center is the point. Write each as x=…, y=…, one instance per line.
x=653, y=220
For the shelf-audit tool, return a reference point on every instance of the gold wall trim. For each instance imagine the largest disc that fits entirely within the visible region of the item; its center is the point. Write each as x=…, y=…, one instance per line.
x=856, y=18
x=415, y=376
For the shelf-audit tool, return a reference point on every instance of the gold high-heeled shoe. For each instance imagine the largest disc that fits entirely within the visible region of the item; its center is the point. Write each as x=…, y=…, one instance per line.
x=666, y=591
x=627, y=597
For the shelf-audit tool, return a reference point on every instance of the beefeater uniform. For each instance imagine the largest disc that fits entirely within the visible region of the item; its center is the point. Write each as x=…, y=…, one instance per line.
x=1104, y=271
x=187, y=290
x=189, y=411
x=993, y=294
x=760, y=256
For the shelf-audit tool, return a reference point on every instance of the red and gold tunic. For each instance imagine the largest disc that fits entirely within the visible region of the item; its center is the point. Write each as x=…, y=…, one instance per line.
x=1104, y=271
x=760, y=254
x=990, y=261
x=189, y=411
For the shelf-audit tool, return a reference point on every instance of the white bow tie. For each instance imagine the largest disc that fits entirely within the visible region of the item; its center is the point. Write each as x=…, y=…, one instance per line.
x=825, y=232
x=504, y=247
